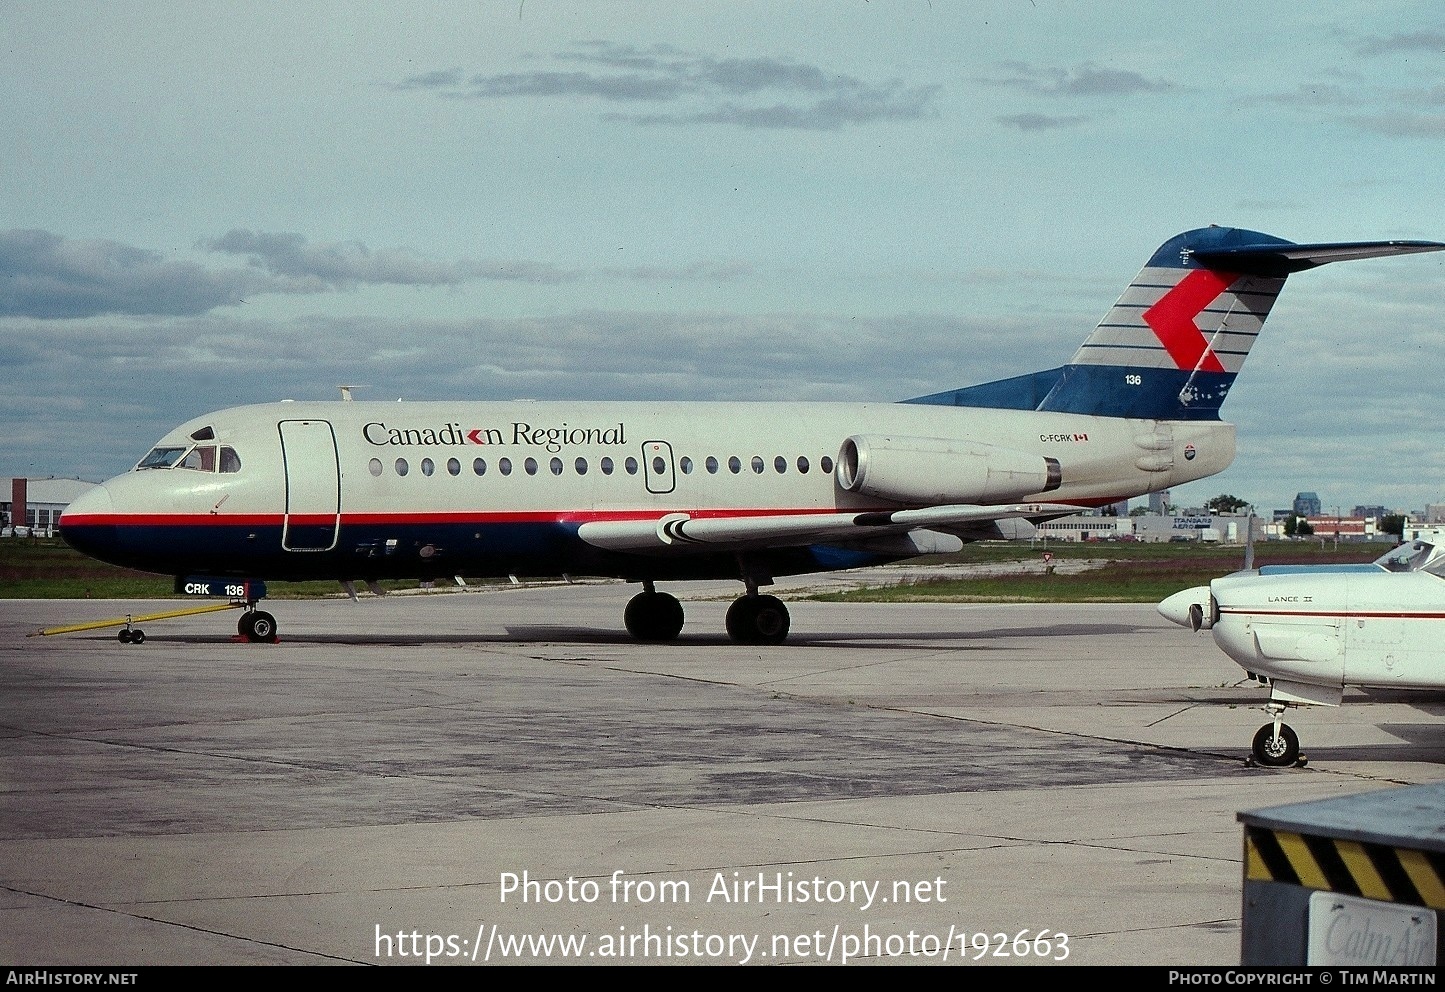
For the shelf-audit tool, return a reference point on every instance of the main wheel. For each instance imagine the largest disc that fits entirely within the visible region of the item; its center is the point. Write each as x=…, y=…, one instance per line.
x=653, y=616
x=1276, y=751
x=262, y=628
x=758, y=620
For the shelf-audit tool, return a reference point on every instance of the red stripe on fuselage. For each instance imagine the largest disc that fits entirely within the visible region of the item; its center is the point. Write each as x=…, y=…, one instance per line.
x=1335, y=614
x=453, y=517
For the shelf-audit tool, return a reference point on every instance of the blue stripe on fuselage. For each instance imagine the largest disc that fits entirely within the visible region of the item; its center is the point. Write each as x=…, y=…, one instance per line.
x=405, y=550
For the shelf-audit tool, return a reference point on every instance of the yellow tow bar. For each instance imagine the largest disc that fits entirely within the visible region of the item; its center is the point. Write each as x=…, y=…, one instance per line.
x=128, y=620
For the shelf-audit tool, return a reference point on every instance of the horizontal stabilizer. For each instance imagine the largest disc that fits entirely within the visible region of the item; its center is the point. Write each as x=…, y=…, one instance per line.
x=1282, y=259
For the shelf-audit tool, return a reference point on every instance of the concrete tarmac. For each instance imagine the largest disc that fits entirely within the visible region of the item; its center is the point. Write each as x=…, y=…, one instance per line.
x=503, y=776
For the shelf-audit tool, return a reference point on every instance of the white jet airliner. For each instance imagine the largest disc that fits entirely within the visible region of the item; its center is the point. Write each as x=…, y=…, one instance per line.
x=653, y=492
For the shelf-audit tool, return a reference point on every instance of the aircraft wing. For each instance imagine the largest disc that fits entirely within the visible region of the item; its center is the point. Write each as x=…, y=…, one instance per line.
x=683, y=533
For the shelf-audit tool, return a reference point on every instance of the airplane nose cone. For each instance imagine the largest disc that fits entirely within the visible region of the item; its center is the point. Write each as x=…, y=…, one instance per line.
x=94, y=500
x=87, y=524
x=1188, y=608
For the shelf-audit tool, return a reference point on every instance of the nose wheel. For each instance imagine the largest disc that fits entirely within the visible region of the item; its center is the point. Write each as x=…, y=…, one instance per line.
x=257, y=626
x=1276, y=745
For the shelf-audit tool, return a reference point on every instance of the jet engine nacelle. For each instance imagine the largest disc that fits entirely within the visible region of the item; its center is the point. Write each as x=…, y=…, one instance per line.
x=934, y=470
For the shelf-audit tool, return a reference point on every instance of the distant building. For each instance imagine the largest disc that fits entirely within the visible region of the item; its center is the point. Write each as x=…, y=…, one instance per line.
x=1435, y=513
x=1424, y=532
x=1353, y=528
x=1159, y=502
x=1364, y=512
x=1087, y=527
x=1307, y=505
x=36, y=504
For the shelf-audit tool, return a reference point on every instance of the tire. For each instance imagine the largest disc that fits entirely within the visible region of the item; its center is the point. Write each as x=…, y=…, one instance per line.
x=137, y=636
x=770, y=620
x=653, y=616
x=263, y=628
x=124, y=636
x=758, y=620
x=1276, y=752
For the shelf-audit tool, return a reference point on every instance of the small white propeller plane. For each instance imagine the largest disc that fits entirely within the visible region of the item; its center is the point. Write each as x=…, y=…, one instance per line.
x=653, y=492
x=1310, y=631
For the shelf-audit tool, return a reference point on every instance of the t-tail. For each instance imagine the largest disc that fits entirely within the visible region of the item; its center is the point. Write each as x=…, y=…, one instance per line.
x=1172, y=345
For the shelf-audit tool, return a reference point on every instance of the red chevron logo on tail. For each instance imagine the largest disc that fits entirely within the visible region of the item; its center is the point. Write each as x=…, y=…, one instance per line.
x=1172, y=318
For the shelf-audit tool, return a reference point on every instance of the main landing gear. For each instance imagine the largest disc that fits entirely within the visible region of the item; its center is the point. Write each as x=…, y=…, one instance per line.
x=751, y=619
x=754, y=619
x=1275, y=744
x=653, y=615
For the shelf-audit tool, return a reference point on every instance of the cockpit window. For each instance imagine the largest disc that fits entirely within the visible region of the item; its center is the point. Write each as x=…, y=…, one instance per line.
x=161, y=458
x=204, y=434
x=202, y=458
x=1413, y=557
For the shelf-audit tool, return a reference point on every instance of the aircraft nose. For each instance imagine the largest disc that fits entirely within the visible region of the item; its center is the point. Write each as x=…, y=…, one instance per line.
x=1189, y=608
x=87, y=524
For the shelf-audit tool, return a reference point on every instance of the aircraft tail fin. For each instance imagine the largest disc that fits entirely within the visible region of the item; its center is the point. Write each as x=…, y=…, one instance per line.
x=1172, y=345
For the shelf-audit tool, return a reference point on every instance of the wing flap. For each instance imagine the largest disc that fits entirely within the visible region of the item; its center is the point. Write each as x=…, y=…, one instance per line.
x=683, y=533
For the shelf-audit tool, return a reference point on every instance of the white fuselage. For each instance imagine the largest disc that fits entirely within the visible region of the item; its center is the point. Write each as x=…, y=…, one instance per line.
x=1313, y=631
x=323, y=486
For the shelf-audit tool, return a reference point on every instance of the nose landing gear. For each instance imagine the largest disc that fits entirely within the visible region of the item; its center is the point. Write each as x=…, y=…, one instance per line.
x=257, y=626
x=1276, y=745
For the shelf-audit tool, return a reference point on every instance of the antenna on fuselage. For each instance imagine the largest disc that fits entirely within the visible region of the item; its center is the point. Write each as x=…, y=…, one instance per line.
x=346, y=392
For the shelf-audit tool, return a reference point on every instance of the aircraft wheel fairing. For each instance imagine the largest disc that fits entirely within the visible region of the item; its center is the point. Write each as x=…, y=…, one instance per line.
x=758, y=620
x=653, y=616
x=1276, y=751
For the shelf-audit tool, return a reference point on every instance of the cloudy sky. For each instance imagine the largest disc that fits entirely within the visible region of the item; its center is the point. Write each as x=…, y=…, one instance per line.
x=208, y=204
